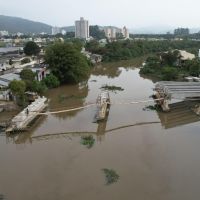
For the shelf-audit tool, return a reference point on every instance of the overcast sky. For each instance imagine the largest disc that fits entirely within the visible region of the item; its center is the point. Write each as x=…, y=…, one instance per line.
x=132, y=13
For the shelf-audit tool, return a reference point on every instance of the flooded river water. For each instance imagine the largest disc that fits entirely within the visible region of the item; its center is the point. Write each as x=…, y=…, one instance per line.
x=156, y=155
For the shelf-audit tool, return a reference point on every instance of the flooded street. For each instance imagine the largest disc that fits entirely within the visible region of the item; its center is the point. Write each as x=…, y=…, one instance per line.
x=156, y=155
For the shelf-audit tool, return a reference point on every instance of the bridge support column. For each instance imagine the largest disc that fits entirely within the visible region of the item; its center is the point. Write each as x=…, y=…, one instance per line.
x=197, y=110
x=162, y=102
x=165, y=105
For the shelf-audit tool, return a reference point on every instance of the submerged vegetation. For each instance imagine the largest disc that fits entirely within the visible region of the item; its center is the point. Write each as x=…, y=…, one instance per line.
x=63, y=97
x=152, y=107
x=111, y=176
x=88, y=141
x=112, y=88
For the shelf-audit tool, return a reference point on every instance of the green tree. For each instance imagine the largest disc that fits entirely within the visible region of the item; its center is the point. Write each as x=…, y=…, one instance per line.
x=70, y=35
x=31, y=48
x=27, y=74
x=170, y=58
x=51, y=81
x=92, y=46
x=67, y=63
x=194, y=67
x=18, y=88
x=96, y=33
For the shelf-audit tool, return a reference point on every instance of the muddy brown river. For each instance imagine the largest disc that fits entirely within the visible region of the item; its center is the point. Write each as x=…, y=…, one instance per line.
x=156, y=155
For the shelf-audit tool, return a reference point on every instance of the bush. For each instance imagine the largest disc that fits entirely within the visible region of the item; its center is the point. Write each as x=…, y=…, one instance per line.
x=25, y=60
x=38, y=87
x=51, y=81
x=169, y=73
x=147, y=70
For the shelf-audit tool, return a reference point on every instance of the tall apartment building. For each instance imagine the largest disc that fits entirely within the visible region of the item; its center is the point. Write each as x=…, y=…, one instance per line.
x=82, y=29
x=182, y=31
x=125, y=32
x=55, y=30
x=110, y=32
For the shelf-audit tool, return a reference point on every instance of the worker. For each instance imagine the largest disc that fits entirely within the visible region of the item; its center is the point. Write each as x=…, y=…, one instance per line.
x=27, y=111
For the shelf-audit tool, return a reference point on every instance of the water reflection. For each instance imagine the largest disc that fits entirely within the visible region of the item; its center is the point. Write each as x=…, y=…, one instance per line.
x=66, y=97
x=151, y=78
x=110, y=72
x=2, y=197
x=29, y=138
x=181, y=113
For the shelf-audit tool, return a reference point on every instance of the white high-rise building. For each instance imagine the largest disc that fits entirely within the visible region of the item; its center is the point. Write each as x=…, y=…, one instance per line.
x=4, y=33
x=82, y=29
x=55, y=30
x=125, y=32
x=110, y=32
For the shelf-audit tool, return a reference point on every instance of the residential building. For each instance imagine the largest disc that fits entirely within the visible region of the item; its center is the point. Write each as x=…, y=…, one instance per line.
x=125, y=32
x=110, y=32
x=41, y=72
x=182, y=31
x=186, y=55
x=55, y=30
x=4, y=33
x=63, y=32
x=7, y=78
x=82, y=29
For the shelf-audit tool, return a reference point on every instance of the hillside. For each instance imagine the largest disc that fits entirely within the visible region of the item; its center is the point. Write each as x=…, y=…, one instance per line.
x=68, y=28
x=16, y=24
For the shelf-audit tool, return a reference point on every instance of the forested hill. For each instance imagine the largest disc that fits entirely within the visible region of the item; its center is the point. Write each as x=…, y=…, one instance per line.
x=16, y=24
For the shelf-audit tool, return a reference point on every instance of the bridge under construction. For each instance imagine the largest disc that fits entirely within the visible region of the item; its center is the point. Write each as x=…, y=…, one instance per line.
x=165, y=92
x=168, y=90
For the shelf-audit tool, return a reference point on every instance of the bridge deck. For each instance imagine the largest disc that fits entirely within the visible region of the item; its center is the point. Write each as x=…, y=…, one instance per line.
x=170, y=89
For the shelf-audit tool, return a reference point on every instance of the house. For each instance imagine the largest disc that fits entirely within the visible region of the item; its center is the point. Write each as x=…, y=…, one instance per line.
x=186, y=55
x=41, y=72
x=182, y=56
x=7, y=78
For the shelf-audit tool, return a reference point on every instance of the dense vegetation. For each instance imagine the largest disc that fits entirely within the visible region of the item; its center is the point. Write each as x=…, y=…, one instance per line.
x=168, y=66
x=124, y=50
x=67, y=63
x=96, y=33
